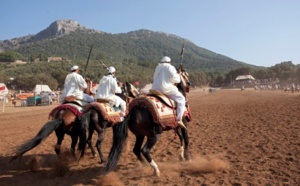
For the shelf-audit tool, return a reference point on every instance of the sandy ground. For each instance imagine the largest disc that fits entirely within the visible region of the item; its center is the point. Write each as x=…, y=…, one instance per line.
x=236, y=138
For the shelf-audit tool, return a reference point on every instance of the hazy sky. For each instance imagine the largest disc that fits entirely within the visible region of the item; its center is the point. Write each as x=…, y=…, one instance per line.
x=258, y=32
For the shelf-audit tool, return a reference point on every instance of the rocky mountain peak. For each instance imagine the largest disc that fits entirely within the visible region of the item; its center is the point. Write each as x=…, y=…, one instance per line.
x=66, y=26
x=58, y=28
x=54, y=30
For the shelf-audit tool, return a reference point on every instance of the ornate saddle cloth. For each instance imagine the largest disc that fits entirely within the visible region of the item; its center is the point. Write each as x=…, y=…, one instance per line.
x=73, y=99
x=162, y=109
x=76, y=109
x=106, y=110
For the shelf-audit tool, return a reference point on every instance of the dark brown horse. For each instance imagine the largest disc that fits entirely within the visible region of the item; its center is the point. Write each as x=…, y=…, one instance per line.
x=94, y=120
x=65, y=120
x=142, y=124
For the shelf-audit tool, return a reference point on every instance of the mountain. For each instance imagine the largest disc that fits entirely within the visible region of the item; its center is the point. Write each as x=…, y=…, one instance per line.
x=72, y=41
x=56, y=29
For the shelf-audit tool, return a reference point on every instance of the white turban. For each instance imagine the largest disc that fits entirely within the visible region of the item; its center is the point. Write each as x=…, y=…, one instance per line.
x=74, y=67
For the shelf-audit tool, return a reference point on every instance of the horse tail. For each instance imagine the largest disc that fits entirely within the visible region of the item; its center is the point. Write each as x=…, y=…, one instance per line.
x=120, y=134
x=84, y=125
x=85, y=119
x=45, y=131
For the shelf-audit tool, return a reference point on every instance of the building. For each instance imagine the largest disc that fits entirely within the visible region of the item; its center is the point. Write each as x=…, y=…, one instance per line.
x=54, y=59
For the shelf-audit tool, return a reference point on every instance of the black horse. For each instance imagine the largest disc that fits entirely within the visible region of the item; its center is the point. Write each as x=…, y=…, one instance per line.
x=141, y=123
x=65, y=120
x=95, y=121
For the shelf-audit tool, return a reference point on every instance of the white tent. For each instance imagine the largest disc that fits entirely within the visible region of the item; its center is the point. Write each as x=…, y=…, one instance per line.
x=41, y=88
x=3, y=89
x=245, y=77
x=3, y=93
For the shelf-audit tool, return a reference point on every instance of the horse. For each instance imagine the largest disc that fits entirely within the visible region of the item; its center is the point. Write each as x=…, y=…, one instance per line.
x=142, y=123
x=98, y=120
x=286, y=89
x=64, y=119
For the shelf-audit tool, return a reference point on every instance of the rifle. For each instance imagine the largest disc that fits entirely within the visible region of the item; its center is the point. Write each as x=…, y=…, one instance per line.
x=181, y=56
x=87, y=62
x=103, y=64
x=107, y=70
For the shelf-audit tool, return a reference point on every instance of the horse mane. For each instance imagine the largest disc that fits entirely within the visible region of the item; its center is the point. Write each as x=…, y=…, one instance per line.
x=130, y=90
x=181, y=88
x=184, y=84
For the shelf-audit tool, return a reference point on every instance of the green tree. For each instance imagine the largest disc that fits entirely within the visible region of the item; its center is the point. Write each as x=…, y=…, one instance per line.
x=3, y=78
x=28, y=81
x=10, y=56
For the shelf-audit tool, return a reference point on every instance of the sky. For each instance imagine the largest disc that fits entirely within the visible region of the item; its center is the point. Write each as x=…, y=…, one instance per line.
x=257, y=32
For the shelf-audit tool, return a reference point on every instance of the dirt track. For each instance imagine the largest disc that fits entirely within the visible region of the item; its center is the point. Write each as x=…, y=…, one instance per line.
x=236, y=138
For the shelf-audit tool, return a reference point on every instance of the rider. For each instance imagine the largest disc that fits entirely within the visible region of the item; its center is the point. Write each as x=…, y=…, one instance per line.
x=107, y=88
x=74, y=85
x=164, y=78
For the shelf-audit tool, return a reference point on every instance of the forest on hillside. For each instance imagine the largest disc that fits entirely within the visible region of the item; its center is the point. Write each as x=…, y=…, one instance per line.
x=25, y=77
x=134, y=55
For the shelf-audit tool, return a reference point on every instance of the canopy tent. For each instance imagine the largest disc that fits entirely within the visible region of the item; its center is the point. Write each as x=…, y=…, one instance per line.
x=41, y=88
x=244, y=77
x=3, y=89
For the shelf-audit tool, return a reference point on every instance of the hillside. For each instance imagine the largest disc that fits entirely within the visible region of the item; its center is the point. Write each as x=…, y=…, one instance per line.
x=70, y=40
x=134, y=54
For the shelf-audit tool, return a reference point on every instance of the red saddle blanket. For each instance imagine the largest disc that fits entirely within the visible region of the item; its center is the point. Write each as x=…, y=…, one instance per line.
x=72, y=107
x=162, y=113
x=108, y=113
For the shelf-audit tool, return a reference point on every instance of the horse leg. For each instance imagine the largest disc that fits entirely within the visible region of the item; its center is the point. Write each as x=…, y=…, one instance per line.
x=60, y=137
x=73, y=144
x=137, y=147
x=101, y=133
x=89, y=141
x=151, y=141
x=82, y=140
x=184, y=150
x=178, y=132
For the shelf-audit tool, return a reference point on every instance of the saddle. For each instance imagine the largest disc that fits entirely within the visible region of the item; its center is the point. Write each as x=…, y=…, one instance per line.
x=162, y=109
x=102, y=100
x=109, y=113
x=76, y=109
x=169, y=102
x=73, y=99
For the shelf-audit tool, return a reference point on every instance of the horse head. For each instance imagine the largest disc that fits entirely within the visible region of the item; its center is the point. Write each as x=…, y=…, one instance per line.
x=131, y=90
x=184, y=85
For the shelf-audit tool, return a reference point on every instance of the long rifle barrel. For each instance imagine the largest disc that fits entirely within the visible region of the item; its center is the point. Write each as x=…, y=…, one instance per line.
x=181, y=55
x=87, y=62
x=108, y=69
x=103, y=64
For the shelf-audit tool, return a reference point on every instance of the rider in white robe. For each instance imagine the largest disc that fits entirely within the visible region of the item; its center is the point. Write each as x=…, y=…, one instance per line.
x=164, y=78
x=107, y=89
x=74, y=86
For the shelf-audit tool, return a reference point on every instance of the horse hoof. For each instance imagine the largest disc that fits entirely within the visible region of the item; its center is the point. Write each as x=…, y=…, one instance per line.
x=181, y=158
x=156, y=174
